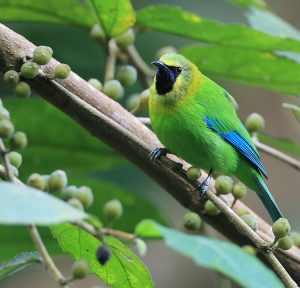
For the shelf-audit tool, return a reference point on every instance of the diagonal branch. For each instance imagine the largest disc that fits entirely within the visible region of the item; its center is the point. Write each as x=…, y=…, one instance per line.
x=110, y=122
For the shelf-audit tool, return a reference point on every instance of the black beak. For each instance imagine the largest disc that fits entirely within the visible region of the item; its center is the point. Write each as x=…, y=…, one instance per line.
x=161, y=66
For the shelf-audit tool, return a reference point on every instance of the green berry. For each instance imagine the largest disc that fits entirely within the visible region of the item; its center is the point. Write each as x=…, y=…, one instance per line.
x=144, y=98
x=68, y=192
x=285, y=243
x=103, y=254
x=57, y=181
x=37, y=181
x=239, y=190
x=133, y=101
x=250, y=221
x=12, y=77
x=211, y=209
x=95, y=83
x=80, y=269
x=223, y=184
x=18, y=141
x=113, y=89
x=75, y=203
x=127, y=75
x=141, y=246
x=193, y=173
x=192, y=221
x=255, y=123
x=97, y=33
x=30, y=70
x=249, y=249
x=125, y=39
x=113, y=209
x=241, y=211
x=296, y=238
x=165, y=50
x=62, y=71
x=6, y=129
x=85, y=195
x=4, y=114
x=15, y=158
x=42, y=55
x=281, y=228
x=22, y=90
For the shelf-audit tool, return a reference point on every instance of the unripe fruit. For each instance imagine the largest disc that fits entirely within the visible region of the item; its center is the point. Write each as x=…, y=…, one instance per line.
x=15, y=158
x=133, y=101
x=164, y=50
x=141, y=246
x=97, y=33
x=80, y=269
x=30, y=70
x=125, y=39
x=144, y=98
x=4, y=114
x=95, y=83
x=18, y=141
x=68, y=192
x=127, y=75
x=223, y=184
x=255, y=123
x=75, y=203
x=249, y=249
x=113, y=209
x=192, y=221
x=22, y=90
x=12, y=77
x=285, y=243
x=37, y=181
x=193, y=173
x=241, y=211
x=62, y=71
x=239, y=190
x=211, y=209
x=42, y=55
x=281, y=228
x=113, y=89
x=57, y=181
x=296, y=239
x=250, y=221
x=6, y=129
x=85, y=195
x=103, y=254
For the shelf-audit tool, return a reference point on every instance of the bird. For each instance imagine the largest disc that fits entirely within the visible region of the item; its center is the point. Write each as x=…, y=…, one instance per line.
x=195, y=119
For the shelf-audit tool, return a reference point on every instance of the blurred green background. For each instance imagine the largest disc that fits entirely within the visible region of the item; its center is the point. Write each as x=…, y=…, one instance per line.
x=111, y=176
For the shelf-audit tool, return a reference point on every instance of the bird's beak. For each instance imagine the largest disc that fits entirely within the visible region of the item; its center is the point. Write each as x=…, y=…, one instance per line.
x=161, y=66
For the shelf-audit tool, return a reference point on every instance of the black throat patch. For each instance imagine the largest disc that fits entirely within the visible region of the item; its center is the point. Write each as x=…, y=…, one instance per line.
x=165, y=79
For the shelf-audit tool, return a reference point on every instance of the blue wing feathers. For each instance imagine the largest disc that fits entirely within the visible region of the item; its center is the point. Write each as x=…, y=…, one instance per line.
x=238, y=142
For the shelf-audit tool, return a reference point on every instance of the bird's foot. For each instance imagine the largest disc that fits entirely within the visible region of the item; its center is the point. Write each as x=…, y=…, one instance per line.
x=203, y=187
x=157, y=153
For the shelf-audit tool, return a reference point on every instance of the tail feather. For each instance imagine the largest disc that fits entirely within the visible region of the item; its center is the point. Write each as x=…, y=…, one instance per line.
x=268, y=200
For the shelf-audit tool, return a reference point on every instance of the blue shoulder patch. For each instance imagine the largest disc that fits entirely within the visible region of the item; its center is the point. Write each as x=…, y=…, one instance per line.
x=238, y=142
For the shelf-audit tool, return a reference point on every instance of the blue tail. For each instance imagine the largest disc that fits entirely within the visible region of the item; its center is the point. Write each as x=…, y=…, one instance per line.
x=268, y=200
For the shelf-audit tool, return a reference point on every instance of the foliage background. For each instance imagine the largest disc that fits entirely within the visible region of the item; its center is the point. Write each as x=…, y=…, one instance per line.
x=74, y=46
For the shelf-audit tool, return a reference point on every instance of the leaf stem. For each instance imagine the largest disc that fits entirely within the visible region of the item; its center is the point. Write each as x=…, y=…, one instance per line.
x=112, y=52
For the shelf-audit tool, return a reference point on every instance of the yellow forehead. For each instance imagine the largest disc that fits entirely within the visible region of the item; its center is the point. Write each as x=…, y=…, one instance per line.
x=168, y=61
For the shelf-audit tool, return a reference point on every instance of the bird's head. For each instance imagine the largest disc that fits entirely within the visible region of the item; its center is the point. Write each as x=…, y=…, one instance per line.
x=174, y=75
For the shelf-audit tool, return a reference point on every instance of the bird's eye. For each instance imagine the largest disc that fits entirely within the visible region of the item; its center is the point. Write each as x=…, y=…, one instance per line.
x=178, y=69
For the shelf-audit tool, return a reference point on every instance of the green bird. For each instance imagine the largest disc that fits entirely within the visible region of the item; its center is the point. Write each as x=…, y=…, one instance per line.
x=195, y=119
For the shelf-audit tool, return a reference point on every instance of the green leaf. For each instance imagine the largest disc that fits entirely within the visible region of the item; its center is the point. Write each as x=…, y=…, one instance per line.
x=263, y=69
x=174, y=20
x=250, y=3
x=26, y=205
x=123, y=269
x=70, y=12
x=115, y=16
x=18, y=263
x=283, y=145
x=53, y=136
x=294, y=108
x=147, y=228
x=223, y=257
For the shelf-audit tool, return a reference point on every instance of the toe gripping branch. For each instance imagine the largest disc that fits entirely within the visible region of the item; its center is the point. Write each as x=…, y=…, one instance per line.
x=203, y=187
x=158, y=152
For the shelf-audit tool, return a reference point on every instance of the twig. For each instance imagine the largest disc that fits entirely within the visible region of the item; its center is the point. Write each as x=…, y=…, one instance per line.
x=277, y=154
x=108, y=121
x=112, y=52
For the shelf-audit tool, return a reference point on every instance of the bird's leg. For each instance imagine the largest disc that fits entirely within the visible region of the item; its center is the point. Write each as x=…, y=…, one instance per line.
x=203, y=187
x=158, y=152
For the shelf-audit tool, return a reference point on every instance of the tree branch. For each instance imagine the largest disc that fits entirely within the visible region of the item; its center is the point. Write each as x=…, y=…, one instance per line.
x=110, y=122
